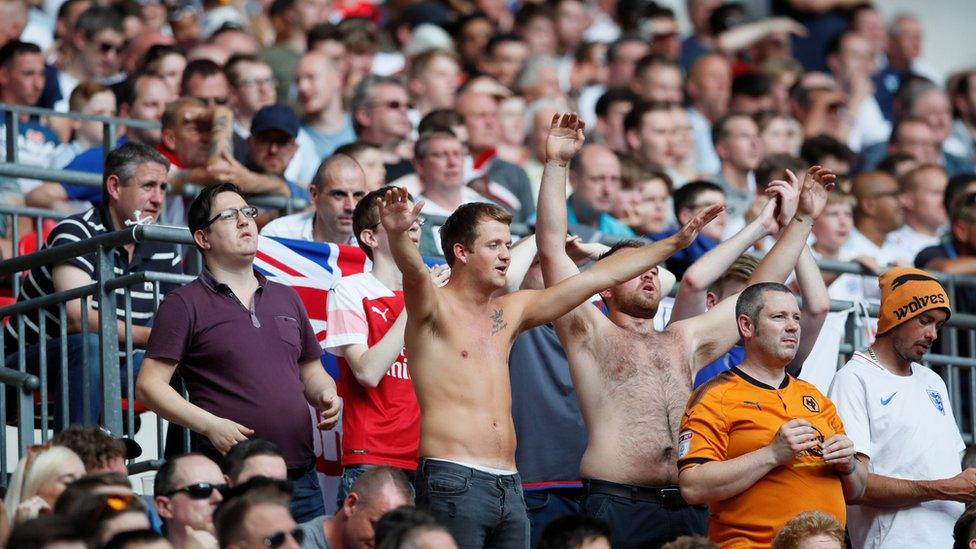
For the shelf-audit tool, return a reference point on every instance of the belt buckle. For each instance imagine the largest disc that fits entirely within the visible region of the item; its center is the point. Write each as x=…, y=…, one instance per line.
x=671, y=498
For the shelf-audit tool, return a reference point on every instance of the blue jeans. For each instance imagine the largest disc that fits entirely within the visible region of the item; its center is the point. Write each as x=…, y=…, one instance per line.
x=545, y=506
x=480, y=509
x=76, y=375
x=638, y=524
x=306, y=499
x=352, y=472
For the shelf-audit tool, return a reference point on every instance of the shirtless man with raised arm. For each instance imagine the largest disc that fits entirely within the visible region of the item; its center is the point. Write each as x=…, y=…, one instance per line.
x=633, y=382
x=458, y=338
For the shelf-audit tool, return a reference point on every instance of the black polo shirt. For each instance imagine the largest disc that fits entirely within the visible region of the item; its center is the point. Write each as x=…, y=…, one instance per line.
x=147, y=256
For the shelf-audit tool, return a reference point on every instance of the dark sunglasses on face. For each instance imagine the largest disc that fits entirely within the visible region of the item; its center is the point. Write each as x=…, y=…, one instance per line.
x=278, y=538
x=394, y=104
x=249, y=212
x=106, y=47
x=200, y=490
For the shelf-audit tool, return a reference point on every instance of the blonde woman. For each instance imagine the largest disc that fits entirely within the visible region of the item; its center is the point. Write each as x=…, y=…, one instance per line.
x=40, y=477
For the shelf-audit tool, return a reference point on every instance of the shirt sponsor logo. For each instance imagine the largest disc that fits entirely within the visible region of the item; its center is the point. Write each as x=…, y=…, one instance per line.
x=382, y=313
x=684, y=443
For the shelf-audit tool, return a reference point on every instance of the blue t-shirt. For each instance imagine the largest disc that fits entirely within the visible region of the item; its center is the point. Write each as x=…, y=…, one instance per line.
x=92, y=161
x=548, y=423
x=682, y=259
x=722, y=363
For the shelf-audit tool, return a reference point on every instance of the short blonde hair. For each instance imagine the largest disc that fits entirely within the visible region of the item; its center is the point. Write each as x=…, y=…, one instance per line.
x=805, y=525
x=83, y=93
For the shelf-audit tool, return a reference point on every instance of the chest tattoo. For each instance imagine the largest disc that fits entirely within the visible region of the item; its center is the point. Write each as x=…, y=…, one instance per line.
x=497, y=322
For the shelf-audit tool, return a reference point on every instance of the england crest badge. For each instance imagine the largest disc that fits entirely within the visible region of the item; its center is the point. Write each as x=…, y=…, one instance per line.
x=936, y=398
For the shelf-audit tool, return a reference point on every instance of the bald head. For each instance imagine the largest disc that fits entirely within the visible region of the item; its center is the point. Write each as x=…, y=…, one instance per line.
x=868, y=184
x=595, y=176
x=878, y=202
x=337, y=186
x=480, y=114
x=337, y=169
x=710, y=85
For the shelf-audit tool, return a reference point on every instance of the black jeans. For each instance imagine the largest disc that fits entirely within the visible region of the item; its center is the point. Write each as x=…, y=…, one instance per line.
x=480, y=509
x=641, y=524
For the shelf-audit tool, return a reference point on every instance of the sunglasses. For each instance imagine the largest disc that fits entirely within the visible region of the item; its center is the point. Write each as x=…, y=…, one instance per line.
x=278, y=538
x=200, y=490
x=114, y=504
x=249, y=212
x=394, y=104
x=106, y=47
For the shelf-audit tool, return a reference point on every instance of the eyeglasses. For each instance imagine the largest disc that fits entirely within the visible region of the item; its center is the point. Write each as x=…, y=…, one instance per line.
x=257, y=82
x=278, y=538
x=394, y=104
x=249, y=212
x=105, y=47
x=212, y=101
x=200, y=490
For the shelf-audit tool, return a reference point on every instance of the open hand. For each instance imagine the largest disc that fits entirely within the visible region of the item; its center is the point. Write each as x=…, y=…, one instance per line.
x=396, y=213
x=565, y=137
x=690, y=231
x=817, y=183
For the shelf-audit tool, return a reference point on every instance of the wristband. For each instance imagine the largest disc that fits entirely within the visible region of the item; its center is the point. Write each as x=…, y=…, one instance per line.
x=799, y=218
x=557, y=163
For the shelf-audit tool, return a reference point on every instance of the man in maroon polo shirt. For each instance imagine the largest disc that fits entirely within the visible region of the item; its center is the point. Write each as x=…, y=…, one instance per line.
x=245, y=349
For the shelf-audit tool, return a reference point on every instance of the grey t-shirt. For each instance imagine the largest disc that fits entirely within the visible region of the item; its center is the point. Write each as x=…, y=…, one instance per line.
x=315, y=534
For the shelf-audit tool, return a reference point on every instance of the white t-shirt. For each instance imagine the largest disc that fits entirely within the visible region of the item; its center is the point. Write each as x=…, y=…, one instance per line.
x=904, y=424
x=298, y=226
x=909, y=242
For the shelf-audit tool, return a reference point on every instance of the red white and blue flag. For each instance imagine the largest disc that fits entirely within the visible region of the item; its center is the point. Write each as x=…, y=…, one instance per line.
x=312, y=269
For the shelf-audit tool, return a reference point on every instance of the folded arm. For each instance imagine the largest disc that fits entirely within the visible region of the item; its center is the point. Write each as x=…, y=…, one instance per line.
x=370, y=364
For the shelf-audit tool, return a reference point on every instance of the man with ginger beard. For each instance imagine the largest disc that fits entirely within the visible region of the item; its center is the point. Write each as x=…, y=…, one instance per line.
x=632, y=410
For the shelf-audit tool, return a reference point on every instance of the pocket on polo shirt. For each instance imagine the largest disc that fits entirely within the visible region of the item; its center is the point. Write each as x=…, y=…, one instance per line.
x=288, y=330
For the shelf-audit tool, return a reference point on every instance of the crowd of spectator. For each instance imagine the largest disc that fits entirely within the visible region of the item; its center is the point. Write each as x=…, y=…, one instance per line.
x=724, y=163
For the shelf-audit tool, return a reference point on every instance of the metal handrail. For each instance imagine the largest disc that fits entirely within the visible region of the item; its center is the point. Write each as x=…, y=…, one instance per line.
x=132, y=235
x=40, y=111
x=22, y=380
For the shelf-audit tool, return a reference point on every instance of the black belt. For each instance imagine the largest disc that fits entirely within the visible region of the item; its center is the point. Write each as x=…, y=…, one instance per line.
x=299, y=472
x=668, y=497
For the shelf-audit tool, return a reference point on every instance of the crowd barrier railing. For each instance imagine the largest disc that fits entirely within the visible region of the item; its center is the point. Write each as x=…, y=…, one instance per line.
x=16, y=374
x=111, y=125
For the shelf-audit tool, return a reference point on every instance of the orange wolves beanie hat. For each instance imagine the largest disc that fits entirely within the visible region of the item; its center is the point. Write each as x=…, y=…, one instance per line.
x=907, y=293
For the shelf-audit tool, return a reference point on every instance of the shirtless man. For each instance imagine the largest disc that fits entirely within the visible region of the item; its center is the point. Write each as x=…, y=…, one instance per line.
x=458, y=338
x=633, y=382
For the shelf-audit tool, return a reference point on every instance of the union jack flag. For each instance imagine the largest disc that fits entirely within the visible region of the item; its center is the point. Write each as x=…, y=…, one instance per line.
x=312, y=269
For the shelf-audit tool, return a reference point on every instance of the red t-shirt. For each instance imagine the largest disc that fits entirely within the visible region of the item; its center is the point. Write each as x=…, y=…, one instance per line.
x=381, y=425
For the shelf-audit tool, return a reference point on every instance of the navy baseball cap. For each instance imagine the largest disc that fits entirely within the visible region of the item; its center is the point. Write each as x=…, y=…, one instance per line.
x=275, y=117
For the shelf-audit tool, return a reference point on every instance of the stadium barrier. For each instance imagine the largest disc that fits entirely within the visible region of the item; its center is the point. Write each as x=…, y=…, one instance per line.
x=111, y=124
x=32, y=397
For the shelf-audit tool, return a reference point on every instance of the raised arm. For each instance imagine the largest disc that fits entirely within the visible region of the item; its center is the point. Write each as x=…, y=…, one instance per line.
x=397, y=216
x=714, y=332
x=542, y=306
x=816, y=305
x=710, y=267
x=564, y=141
x=523, y=254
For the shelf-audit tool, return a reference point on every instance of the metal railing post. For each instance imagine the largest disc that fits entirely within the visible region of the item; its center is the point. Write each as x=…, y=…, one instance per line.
x=108, y=339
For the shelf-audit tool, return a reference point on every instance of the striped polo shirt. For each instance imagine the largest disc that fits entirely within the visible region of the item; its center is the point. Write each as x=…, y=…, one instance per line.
x=147, y=256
